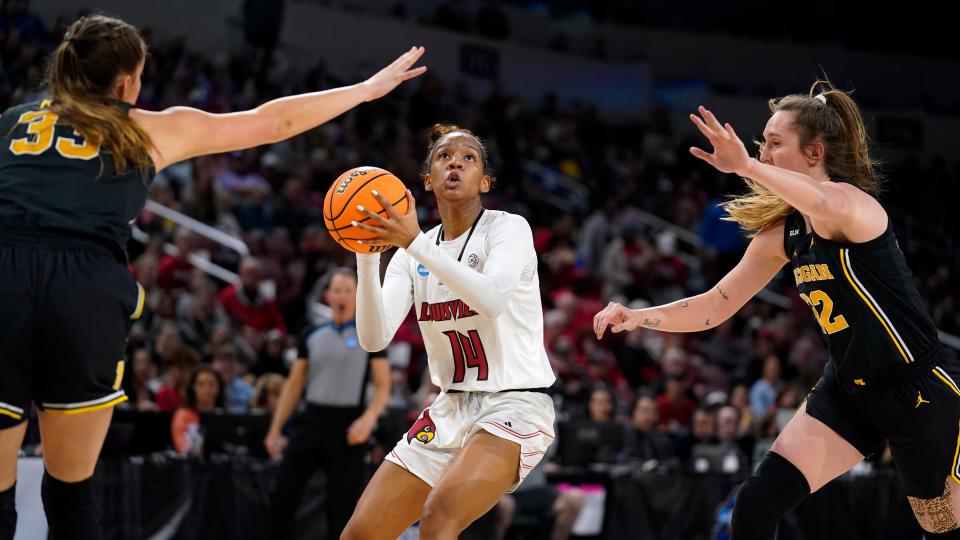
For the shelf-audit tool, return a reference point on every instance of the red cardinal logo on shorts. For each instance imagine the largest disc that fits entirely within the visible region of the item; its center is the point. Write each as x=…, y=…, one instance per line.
x=423, y=430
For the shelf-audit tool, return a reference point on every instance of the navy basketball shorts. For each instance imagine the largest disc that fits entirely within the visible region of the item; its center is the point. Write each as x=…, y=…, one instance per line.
x=918, y=415
x=66, y=306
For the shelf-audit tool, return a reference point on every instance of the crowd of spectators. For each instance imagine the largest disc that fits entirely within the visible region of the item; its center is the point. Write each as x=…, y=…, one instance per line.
x=712, y=399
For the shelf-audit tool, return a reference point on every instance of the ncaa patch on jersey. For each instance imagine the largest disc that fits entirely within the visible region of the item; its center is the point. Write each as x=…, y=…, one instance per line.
x=422, y=270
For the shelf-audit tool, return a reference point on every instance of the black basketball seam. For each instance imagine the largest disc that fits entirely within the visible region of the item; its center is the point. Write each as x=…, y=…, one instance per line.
x=331, y=221
x=352, y=195
x=368, y=217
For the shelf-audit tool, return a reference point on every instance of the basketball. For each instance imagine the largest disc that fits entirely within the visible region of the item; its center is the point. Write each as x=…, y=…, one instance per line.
x=355, y=187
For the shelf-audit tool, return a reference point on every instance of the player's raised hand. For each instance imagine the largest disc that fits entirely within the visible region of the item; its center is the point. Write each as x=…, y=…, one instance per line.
x=391, y=76
x=396, y=229
x=618, y=316
x=729, y=154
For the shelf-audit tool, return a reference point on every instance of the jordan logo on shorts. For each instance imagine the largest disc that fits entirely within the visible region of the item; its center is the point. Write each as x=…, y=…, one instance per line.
x=423, y=430
x=920, y=400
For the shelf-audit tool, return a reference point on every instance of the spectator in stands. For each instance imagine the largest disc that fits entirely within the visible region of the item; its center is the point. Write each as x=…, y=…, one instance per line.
x=740, y=400
x=238, y=393
x=178, y=366
x=247, y=305
x=174, y=270
x=723, y=242
x=200, y=313
x=728, y=437
x=644, y=442
x=138, y=383
x=763, y=394
x=674, y=406
x=204, y=394
x=596, y=438
x=267, y=392
x=271, y=358
x=703, y=431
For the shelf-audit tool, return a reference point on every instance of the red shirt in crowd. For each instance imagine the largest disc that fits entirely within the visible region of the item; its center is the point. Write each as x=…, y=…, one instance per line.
x=173, y=273
x=259, y=314
x=675, y=414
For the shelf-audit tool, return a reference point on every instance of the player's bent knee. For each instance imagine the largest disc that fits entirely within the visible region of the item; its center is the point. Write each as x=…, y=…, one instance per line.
x=438, y=518
x=776, y=488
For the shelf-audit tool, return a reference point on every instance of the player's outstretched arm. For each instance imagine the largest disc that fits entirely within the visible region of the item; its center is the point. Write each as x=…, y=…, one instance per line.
x=180, y=133
x=844, y=207
x=761, y=262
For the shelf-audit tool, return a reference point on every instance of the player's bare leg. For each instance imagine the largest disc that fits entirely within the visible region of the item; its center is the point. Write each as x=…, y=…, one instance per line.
x=485, y=469
x=805, y=456
x=815, y=449
x=10, y=440
x=940, y=515
x=392, y=501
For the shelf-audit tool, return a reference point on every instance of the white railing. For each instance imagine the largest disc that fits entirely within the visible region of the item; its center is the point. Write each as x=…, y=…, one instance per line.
x=199, y=227
x=199, y=260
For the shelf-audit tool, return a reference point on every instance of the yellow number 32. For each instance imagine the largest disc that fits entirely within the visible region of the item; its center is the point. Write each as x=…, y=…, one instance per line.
x=823, y=316
x=40, y=137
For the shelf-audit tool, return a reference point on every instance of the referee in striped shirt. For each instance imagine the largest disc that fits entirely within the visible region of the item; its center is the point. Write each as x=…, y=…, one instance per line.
x=331, y=430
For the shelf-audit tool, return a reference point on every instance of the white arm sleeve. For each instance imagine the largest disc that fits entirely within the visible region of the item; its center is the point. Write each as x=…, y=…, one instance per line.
x=488, y=292
x=381, y=310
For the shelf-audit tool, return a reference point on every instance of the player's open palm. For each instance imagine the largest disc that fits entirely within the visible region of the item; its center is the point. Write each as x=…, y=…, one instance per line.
x=391, y=76
x=396, y=229
x=729, y=154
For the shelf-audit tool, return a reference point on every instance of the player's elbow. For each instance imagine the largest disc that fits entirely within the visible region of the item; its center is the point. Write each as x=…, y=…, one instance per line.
x=371, y=343
x=491, y=308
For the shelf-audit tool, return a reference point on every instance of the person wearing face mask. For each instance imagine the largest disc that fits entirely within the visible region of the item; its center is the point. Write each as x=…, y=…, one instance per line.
x=330, y=432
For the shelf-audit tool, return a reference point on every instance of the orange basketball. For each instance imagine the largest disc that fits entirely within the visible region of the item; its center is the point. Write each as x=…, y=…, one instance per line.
x=354, y=188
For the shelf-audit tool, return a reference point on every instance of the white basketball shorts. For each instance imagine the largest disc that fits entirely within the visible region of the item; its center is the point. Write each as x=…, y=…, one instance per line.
x=442, y=430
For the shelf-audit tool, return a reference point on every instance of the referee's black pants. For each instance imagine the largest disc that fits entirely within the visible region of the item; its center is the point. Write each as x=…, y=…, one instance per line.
x=319, y=441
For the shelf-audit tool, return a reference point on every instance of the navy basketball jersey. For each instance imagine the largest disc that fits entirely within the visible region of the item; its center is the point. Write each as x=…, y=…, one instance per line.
x=52, y=181
x=864, y=299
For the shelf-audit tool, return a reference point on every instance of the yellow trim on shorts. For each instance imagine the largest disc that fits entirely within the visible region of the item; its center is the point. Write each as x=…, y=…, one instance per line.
x=843, y=264
x=91, y=408
x=956, y=453
x=11, y=414
x=141, y=300
x=119, y=379
x=946, y=381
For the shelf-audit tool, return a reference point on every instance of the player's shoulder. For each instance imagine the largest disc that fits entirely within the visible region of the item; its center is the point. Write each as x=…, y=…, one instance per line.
x=500, y=218
x=9, y=116
x=34, y=105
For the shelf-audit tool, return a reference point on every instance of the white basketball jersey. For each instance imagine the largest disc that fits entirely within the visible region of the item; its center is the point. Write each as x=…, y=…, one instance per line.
x=489, y=335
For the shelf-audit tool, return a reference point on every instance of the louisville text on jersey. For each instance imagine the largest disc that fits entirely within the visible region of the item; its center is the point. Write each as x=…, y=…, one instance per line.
x=445, y=311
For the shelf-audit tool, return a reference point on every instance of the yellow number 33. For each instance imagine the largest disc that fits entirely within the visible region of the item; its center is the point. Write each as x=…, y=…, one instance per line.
x=821, y=298
x=40, y=137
